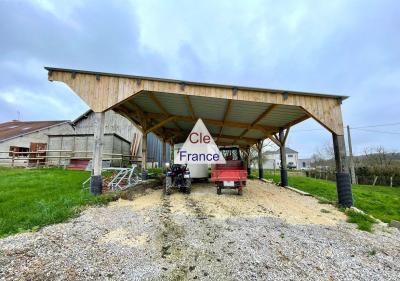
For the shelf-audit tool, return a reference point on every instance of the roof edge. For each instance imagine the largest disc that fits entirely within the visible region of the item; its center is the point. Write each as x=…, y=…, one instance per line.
x=48, y=68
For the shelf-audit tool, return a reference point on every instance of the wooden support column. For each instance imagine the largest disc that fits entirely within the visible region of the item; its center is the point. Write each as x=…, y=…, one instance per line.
x=164, y=154
x=248, y=164
x=282, y=149
x=96, y=182
x=144, y=156
x=260, y=160
x=172, y=151
x=343, y=182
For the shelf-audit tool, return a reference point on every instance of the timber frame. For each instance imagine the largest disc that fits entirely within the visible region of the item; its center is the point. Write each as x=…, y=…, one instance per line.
x=126, y=95
x=234, y=115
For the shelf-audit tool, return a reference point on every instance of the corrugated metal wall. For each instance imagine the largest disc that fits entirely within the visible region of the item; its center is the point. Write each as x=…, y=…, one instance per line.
x=154, y=150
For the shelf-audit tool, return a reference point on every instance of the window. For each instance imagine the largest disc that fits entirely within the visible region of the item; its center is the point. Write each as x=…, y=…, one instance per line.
x=290, y=155
x=304, y=164
x=19, y=151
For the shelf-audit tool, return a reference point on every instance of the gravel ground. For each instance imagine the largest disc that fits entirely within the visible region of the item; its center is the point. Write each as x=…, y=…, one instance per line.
x=269, y=233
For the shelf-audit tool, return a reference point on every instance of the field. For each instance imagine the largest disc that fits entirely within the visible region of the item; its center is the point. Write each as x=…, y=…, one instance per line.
x=30, y=199
x=382, y=202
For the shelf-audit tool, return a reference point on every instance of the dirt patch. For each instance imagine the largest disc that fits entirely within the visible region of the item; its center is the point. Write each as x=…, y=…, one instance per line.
x=258, y=200
x=124, y=237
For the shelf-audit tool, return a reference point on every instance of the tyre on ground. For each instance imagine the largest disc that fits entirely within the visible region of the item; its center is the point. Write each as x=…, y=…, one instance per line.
x=188, y=186
x=219, y=189
x=168, y=185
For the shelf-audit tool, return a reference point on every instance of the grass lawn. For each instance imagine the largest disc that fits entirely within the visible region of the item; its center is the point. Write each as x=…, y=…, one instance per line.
x=30, y=199
x=382, y=202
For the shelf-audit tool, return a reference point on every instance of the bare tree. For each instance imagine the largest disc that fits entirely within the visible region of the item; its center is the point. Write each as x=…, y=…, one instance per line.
x=380, y=162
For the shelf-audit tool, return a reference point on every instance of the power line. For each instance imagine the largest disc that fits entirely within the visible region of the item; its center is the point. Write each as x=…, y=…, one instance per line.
x=375, y=131
x=357, y=128
x=380, y=125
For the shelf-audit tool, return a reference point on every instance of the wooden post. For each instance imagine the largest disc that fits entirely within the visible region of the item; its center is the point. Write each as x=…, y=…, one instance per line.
x=144, y=156
x=172, y=148
x=164, y=154
x=343, y=182
x=260, y=160
x=282, y=150
x=351, y=160
x=96, y=183
x=12, y=159
x=248, y=161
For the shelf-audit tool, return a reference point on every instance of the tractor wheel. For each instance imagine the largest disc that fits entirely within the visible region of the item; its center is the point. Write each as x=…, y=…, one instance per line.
x=188, y=186
x=168, y=185
x=219, y=190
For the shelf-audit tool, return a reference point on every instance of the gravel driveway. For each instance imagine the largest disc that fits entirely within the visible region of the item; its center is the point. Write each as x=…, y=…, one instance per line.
x=269, y=233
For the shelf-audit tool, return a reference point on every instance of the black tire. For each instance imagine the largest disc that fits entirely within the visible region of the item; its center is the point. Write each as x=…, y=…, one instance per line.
x=188, y=186
x=168, y=185
x=219, y=190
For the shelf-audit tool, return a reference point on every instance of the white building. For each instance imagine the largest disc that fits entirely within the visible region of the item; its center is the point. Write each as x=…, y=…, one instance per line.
x=25, y=137
x=304, y=164
x=273, y=160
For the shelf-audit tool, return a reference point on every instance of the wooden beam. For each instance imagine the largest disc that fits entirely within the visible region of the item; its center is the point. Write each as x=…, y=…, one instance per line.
x=161, y=107
x=274, y=140
x=228, y=108
x=158, y=125
x=261, y=116
x=264, y=114
x=235, y=138
x=139, y=111
x=285, y=137
x=219, y=122
x=296, y=121
x=190, y=106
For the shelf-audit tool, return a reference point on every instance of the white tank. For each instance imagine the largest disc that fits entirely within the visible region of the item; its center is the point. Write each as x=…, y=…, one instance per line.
x=197, y=171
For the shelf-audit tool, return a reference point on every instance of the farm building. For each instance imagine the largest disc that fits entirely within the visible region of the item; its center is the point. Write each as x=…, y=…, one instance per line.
x=23, y=138
x=305, y=164
x=273, y=159
x=65, y=143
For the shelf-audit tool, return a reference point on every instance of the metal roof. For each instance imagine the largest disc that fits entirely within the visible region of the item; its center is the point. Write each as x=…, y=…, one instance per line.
x=236, y=128
x=15, y=128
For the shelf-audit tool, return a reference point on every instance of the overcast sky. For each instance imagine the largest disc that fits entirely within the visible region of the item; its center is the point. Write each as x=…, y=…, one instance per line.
x=340, y=47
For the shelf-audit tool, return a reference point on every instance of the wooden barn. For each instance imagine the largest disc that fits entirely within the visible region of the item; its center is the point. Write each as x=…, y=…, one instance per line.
x=70, y=144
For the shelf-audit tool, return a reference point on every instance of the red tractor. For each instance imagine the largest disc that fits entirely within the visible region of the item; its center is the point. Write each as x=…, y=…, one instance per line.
x=233, y=174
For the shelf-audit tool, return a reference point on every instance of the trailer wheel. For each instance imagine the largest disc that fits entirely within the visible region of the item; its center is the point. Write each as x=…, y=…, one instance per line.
x=188, y=186
x=168, y=185
x=219, y=190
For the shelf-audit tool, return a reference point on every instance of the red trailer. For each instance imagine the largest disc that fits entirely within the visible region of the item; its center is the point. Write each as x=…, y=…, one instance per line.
x=233, y=174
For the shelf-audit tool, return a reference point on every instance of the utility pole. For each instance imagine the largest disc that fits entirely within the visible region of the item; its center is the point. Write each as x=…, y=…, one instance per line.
x=351, y=162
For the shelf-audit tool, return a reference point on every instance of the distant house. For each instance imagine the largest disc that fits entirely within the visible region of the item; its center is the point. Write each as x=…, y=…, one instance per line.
x=304, y=164
x=273, y=161
x=71, y=143
x=23, y=138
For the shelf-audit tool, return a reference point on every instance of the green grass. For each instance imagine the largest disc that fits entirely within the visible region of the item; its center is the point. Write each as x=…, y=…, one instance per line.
x=30, y=199
x=382, y=202
x=363, y=221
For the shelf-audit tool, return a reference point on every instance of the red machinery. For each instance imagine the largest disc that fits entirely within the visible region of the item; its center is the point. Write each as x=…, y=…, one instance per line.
x=233, y=174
